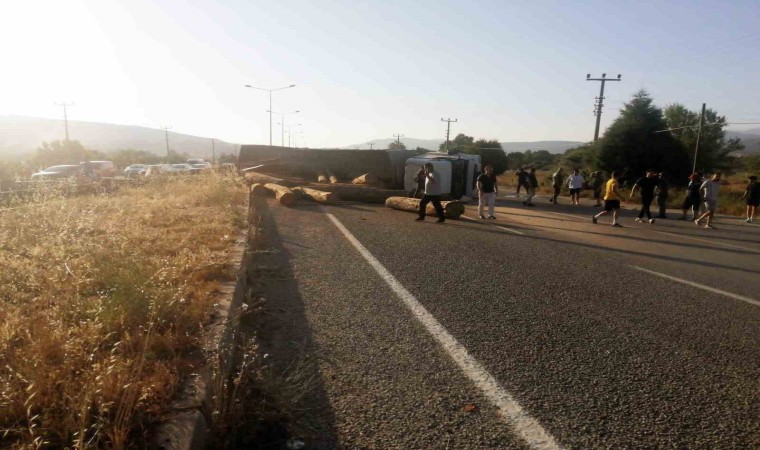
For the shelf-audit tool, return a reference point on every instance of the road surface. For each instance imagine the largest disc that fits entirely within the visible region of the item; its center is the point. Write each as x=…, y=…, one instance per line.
x=537, y=330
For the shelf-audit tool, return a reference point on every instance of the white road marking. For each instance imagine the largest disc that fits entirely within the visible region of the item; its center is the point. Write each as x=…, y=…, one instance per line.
x=523, y=424
x=700, y=286
x=706, y=240
x=496, y=224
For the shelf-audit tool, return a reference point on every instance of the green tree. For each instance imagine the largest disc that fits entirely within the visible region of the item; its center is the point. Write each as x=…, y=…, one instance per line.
x=125, y=157
x=459, y=143
x=715, y=151
x=515, y=160
x=64, y=152
x=585, y=157
x=490, y=153
x=226, y=158
x=396, y=146
x=634, y=142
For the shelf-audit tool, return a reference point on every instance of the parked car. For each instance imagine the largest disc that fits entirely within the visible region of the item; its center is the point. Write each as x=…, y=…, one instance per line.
x=199, y=167
x=135, y=170
x=100, y=168
x=58, y=172
x=192, y=161
x=178, y=168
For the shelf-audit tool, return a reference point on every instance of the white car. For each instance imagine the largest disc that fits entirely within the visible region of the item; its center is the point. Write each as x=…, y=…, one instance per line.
x=135, y=170
x=178, y=168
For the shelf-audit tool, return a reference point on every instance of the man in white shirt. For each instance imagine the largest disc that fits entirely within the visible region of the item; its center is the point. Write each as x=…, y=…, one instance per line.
x=432, y=193
x=710, y=190
x=575, y=183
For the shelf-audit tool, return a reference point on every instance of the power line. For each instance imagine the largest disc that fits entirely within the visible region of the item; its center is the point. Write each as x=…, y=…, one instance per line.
x=599, y=104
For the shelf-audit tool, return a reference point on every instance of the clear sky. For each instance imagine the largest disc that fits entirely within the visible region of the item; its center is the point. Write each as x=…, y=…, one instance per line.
x=508, y=70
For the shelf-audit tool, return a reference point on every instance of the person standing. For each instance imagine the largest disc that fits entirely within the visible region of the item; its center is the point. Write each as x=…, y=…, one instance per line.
x=597, y=184
x=753, y=198
x=488, y=189
x=647, y=185
x=557, y=179
x=710, y=189
x=661, y=194
x=692, y=199
x=612, y=197
x=532, y=186
x=432, y=193
x=575, y=183
x=420, y=180
x=522, y=180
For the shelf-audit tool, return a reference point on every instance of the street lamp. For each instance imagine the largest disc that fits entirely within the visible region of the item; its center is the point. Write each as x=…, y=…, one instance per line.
x=282, y=129
x=290, y=133
x=270, y=104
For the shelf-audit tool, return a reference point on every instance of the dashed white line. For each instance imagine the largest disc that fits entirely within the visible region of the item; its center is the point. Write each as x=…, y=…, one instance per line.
x=503, y=227
x=528, y=428
x=700, y=286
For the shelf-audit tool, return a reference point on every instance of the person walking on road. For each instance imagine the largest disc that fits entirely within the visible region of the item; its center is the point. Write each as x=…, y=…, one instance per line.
x=661, y=194
x=575, y=183
x=647, y=185
x=432, y=193
x=557, y=178
x=753, y=198
x=710, y=189
x=488, y=189
x=692, y=199
x=612, y=197
x=597, y=184
x=420, y=180
x=522, y=180
x=532, y=186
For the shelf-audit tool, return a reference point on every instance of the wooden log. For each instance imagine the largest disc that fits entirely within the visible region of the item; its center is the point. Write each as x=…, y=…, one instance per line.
x=256, y=177
x=284, y=194
x=359, y=193
x=331, y=198
x=322, y=177
x=258, y=189
x=331, y=176
x=367, y=178
x=451, y=209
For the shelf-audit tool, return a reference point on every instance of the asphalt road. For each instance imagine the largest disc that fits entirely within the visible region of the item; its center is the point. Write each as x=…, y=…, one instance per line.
x=557, y=311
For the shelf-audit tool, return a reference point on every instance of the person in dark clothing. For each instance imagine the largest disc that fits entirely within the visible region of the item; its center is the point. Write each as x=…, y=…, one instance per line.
x=488, y=188
x=693, y=198
x=432, y=193
x=522, y=180
x=420, y=180
x=531, y=188
x=647, y=185
x=661, y=193
x=753, y=198
x=597, y=184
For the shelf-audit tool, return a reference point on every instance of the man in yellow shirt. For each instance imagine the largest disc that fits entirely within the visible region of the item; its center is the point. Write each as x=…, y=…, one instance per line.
x=612, y=199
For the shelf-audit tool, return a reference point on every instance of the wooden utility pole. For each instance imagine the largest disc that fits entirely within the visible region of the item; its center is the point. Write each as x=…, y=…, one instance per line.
x=448, y=130
x=166, y=133
x=599, y=104
x=699, y=135
x=65, y=117
x=213, y=151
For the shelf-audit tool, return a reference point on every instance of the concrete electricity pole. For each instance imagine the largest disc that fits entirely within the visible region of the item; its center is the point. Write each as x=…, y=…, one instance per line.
x=398, y=138
x=699, y=135
x=448, y=131
x=213, y=151
x=599, y=100
x=65, y=117
x=371, y=145
x=166, y=132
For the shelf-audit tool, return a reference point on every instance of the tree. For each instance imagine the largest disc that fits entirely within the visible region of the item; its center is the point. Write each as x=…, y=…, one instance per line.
x=64, y=152
x=515, y=160
x=715, y=152
x=490, y=153
x=396, y=146
x=633, y=142
x=227, y=158
x=584, y=156
x=459, y=143
x=125, y=157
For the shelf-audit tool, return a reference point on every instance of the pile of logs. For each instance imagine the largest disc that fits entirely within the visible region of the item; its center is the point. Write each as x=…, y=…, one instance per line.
x=287, y=196
x=451, y=209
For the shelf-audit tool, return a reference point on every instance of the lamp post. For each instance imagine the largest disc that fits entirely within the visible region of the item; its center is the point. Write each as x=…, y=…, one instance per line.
x=270, y=104
x=290, y=133
x=282, y=124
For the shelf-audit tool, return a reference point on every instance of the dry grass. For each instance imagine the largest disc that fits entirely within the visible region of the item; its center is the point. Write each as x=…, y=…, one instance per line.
x=102, y=300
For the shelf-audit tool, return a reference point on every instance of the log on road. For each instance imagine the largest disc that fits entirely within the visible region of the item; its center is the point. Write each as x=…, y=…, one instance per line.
x=258, y=189
x=367, y=178
x=451, y=209
x=359, y=193
x=331, y=198
x=256, y=177
x=284, y=194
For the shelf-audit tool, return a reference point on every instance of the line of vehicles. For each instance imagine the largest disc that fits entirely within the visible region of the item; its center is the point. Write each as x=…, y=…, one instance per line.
x=107, y=169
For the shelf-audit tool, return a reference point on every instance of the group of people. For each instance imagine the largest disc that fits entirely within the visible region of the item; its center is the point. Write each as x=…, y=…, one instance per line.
x=653, y=186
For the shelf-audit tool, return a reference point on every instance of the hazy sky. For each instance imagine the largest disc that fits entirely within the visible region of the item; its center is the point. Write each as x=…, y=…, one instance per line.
x=508, y=70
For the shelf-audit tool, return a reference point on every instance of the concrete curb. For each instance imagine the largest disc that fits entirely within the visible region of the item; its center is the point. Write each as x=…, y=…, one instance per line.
x=186, y=426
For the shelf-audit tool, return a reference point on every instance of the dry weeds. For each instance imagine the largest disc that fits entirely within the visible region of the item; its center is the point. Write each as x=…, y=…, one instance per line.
x=102, y=300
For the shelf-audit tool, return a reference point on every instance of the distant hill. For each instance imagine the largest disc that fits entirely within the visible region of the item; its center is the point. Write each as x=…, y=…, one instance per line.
x=22, y=135
x=432, y=144
x=750, y=139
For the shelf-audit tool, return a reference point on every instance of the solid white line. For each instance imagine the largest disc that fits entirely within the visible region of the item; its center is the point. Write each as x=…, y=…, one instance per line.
x=523, y=424
x=495, y=224
x=700, y=286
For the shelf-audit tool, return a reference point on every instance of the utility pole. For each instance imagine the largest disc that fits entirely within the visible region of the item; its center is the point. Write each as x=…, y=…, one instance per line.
x=371, y=145
x=213, y=151
x=65, y=117
x=166, y=132
x=398, y=138
x=448, y=130
x=599, y=104
x=699, y=135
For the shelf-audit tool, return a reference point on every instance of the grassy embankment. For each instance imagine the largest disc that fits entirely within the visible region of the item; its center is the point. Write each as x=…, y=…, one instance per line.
x=102, y=302
x=729, y=201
